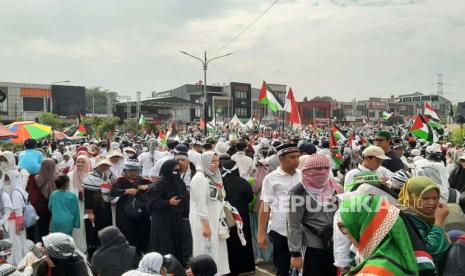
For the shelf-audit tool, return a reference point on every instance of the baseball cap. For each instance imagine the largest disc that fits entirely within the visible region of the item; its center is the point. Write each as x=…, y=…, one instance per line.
x=384, y=133
x=462, y=157
x=415, y=152
x=375, y=151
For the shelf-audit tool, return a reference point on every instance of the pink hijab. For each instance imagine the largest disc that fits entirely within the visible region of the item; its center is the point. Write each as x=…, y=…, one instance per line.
x=316, y=181
x=45, y=180
x=78, y=176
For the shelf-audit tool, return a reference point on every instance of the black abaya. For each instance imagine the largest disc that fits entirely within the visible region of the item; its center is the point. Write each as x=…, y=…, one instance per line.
x=239, y=193
x=134, y=229
x=167, y=235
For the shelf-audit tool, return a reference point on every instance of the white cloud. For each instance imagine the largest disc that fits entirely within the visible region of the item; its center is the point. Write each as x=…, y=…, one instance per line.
x=341, y=48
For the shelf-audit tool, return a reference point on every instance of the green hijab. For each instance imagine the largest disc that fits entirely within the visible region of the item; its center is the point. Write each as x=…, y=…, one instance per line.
x=382, y=240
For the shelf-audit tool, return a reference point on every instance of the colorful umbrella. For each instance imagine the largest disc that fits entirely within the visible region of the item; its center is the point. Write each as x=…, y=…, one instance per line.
x=6, y=133
x=29, y=129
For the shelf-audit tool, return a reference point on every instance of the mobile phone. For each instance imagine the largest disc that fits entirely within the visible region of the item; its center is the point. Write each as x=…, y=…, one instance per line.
x=36, y=251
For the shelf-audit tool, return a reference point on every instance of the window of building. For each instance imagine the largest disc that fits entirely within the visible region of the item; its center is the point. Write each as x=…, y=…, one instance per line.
x=409, y=99
x=241, y=94
x=308, y=114
x=241, y=111
x=425, y=98
x=434, y=98
x=416, y=99
x=4, y=107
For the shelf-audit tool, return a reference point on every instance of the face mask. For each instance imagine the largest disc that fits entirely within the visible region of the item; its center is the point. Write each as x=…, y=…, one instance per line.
x=130, y=154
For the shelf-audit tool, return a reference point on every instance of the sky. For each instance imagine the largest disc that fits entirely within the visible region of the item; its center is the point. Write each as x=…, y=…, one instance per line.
x=340, y=48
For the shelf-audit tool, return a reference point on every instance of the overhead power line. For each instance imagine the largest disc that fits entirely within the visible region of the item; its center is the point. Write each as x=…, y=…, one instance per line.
x=248, y=26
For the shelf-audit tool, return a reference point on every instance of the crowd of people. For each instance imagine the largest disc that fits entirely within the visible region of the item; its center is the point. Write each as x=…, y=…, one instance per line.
x=378, y=205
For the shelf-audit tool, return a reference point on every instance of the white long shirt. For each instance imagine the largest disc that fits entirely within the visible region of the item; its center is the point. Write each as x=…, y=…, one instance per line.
x=275, y=191
x=244, y=164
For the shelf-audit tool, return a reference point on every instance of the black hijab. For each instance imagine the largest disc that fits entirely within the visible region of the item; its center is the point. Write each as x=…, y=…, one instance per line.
x=229, y=169
x=115, y=255
x=174, y=186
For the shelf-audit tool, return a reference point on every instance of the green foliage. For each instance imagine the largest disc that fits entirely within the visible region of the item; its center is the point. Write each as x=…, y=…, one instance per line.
x=13, y=147
x=101, y=126
x=457, y=133
x=131, y=126
x=52, y=120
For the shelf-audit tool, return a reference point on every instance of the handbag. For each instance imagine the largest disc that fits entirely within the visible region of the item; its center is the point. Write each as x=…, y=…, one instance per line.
x=30, y=216
x=229, y=218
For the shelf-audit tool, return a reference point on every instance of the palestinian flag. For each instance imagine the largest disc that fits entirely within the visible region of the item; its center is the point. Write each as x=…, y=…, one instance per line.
x=424, y=260
x=336, y=132
x=267, y=97
x=292, y=108
x=161, y=138
x=431, y=117
x=423, y=130
x=387, y=115
x=141, y=120
x=338, y=159
x=81, y=130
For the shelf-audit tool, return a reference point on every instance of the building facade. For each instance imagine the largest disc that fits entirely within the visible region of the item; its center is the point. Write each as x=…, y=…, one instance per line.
x=26, y=101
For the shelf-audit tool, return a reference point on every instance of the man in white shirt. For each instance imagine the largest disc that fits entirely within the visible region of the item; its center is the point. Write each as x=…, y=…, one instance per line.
x=155, y=170
x=275, y=190
x=148, y=161
x=243, y=162
x=373, y=157
x=194, y=154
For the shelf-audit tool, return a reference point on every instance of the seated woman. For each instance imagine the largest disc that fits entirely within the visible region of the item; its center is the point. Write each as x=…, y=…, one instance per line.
x=421, y=198
x=63, y=257
x=379, y=233
x=115, y=256
x=150, y=265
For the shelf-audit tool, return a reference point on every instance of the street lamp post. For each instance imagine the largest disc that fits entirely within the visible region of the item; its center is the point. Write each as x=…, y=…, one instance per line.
x=205, y=63
x=51, y=99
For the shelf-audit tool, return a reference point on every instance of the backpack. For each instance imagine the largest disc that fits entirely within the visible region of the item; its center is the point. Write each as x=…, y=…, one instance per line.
x=30, y=216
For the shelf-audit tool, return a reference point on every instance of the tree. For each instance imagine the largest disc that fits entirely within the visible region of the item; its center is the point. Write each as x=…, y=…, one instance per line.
x=52, y=120
x=100, y=126
x=131, y=126
x=457, y=135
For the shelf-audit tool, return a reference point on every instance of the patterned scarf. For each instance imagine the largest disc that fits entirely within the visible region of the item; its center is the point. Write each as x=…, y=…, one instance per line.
x=206, y=161
x=316, y=178
x=383, y=241
x=151, y=263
